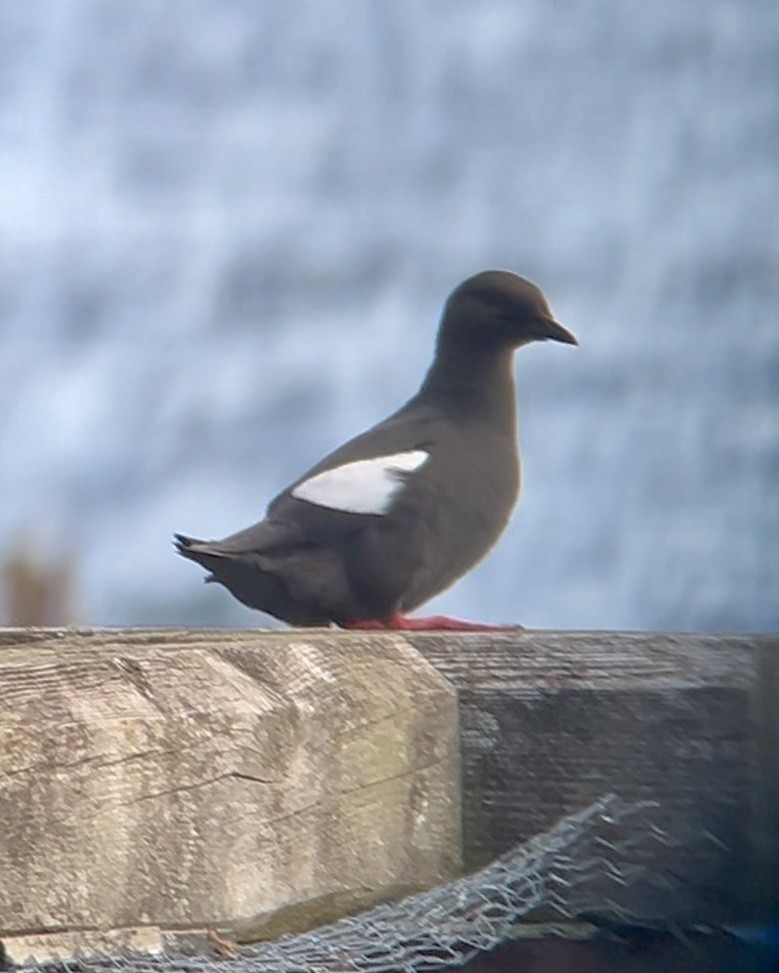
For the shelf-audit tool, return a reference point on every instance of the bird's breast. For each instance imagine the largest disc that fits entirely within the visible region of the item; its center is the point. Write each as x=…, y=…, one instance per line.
x=469, y=497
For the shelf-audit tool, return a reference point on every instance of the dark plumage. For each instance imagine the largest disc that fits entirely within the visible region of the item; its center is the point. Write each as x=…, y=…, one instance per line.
x=417, y=500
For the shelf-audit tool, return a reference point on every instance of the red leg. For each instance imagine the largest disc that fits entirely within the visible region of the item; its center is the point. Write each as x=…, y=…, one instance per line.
x=430, y=623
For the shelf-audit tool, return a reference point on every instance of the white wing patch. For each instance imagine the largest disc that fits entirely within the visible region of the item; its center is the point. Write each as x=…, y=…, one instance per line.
x=367, y=486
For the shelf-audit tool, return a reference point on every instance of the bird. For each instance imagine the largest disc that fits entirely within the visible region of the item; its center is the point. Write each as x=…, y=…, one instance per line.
x=399, y=513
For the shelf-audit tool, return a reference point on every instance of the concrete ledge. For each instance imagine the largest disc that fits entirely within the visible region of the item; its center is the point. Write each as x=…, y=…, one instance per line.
x=191, y=779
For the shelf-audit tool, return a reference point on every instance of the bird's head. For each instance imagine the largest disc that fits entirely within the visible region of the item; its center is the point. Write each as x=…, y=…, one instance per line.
x=499, y=310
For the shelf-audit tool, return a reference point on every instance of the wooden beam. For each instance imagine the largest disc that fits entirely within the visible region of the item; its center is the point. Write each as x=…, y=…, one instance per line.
x=550, y=721
x=191, y=779
x=183, y=778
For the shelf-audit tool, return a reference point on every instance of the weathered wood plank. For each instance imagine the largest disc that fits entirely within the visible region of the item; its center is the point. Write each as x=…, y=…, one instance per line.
x=551, y=721
x=171, y=775
x=194, y=778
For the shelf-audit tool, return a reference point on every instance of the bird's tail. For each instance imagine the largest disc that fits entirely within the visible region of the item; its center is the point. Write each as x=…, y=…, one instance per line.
x=187, y=546
x=202, y=552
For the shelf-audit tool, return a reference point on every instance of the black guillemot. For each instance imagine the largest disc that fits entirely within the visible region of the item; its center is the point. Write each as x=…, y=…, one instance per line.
x=399, y=513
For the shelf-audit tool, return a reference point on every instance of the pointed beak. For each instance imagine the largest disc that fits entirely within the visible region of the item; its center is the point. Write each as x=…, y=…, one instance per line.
x=551, y=330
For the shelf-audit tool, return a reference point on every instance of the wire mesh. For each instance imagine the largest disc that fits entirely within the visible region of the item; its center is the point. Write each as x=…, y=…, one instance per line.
x=599, y=861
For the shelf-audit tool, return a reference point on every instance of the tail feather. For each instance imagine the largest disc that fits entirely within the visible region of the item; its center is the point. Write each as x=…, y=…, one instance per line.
x=184, y=544
x=259, y=578
x=196, y=549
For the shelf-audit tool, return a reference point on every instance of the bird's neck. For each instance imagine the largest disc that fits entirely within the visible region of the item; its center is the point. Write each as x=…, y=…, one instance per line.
x=480, y=383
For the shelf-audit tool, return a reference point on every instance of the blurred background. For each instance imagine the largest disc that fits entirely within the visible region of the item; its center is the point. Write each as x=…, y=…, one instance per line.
x=226, y=232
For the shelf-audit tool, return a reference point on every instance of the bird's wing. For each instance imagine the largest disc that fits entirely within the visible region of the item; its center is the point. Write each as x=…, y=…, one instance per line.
x=363, y=486
x=351, y=487
x=362, y=478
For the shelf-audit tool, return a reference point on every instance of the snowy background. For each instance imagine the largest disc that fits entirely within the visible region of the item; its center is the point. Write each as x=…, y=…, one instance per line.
x=227, y=228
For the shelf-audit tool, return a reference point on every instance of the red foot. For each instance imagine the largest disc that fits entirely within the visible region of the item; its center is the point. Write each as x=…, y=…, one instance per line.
x=430, y=623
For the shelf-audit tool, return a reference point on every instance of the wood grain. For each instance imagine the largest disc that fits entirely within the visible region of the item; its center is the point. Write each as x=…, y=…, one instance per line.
x=190, y=779
x=552, y=720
